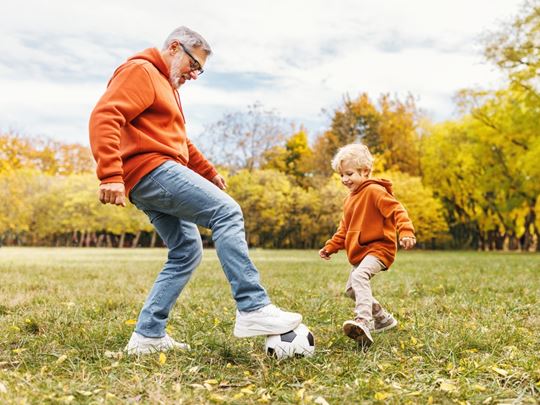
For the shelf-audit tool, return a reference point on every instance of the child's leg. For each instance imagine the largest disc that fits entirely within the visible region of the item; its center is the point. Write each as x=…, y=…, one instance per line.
x=360, y=283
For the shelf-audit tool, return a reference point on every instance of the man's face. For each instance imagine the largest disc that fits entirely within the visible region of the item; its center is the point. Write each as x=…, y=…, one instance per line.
x=184, y=67
x=351, y=177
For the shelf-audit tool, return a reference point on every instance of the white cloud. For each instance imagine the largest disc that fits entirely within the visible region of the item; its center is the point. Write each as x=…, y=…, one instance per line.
x=57, y=56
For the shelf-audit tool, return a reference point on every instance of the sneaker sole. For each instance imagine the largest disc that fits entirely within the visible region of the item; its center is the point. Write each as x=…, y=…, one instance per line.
x=251, y=330
x=356, y=333
x=392, y=325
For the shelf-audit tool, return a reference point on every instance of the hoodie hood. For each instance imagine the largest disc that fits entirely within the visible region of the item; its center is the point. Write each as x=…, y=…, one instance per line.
x=387, y=184
x=153, y=56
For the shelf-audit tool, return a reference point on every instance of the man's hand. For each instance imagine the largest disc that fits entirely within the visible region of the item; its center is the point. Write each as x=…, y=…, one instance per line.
x=324, y=254
x=407, y=242
x=220, y=182
x=112, y=193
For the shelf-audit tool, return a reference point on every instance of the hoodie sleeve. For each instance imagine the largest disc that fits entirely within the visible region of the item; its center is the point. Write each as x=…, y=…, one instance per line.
x=129, y=93
x=338, y=240
x=198, y=163
x=392, y=208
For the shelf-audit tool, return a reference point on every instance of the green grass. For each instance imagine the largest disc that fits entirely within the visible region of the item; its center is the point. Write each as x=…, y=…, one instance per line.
x=469, y=331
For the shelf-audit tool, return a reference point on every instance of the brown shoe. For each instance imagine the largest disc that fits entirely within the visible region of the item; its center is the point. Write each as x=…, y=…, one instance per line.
x=358, y=330
x=383, y=321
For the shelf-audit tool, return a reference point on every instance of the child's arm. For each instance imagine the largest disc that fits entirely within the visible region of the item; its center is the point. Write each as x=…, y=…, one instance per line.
x=389, y=206
x=336, y=243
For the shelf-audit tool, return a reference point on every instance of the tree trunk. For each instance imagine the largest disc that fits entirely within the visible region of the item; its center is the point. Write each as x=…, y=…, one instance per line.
x=121, y=241
x=153, y=240
x=81, y=241
x=100, y=240
x=109, y=241
x=136, y=239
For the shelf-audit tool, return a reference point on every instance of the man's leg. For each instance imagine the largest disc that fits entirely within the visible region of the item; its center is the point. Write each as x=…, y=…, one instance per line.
x=185, y=252
x=178, y=191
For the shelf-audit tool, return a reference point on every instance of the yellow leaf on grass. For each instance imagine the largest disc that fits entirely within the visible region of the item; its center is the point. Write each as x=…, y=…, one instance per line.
x=479, y=387
x=381, y=396
x=20, y=350
x=246, y=391
x=217, y=398
x=162, y=358
x=61, y=359
x=447, y=386
x=212, y=381
x=500, y=371
x=131, y=322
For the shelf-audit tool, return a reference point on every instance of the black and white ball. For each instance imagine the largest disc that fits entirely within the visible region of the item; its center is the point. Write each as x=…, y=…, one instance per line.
x=298, y=342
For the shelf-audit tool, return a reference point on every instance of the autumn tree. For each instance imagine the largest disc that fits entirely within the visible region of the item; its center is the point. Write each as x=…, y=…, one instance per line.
x=240, y=139
x=389, y=129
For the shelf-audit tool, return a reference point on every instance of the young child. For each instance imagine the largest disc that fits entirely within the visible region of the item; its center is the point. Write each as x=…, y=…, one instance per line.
x=371, y=217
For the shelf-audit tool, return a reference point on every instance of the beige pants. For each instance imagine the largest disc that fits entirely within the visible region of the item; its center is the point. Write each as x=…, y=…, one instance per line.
x=359, y=288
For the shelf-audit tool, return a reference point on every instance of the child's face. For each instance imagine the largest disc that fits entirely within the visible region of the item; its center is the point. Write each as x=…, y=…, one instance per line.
x=351, y=177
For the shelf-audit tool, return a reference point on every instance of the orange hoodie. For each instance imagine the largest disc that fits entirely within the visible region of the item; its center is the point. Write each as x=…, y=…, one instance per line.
x=371, y=216
x=138, y=124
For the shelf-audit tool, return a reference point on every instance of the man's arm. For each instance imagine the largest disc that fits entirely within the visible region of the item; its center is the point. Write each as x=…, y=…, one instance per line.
x=129, y=92
x=199, y=164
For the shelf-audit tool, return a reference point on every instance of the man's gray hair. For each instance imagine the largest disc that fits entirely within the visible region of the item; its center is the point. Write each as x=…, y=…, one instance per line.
x=189, y=38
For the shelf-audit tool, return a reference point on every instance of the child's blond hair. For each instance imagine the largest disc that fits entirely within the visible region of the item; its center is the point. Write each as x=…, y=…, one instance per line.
x=357, y=153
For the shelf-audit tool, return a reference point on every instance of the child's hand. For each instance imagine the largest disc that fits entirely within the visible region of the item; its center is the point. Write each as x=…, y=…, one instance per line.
x=407, y=242
x=324, y=254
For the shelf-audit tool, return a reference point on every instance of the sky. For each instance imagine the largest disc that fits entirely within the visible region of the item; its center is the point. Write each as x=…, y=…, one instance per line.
x=298, y=58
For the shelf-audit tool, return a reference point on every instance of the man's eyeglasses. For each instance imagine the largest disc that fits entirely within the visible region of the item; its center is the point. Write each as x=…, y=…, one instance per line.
x=193, y=63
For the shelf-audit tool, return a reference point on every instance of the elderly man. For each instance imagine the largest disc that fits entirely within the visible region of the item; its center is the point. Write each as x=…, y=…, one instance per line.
x=138, y=138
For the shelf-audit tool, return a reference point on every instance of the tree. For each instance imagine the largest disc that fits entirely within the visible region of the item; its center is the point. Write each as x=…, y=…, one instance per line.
x=294, y=159
x=389, y=129
x=239, y=140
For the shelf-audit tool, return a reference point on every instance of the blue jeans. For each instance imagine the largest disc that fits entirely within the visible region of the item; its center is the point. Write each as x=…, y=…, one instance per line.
x=176, y=199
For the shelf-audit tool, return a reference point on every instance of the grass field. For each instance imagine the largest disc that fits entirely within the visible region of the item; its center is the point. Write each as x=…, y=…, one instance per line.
x=469, y=331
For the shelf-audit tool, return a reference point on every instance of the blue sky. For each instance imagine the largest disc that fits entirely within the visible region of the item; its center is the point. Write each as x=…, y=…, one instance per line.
x=296, y=57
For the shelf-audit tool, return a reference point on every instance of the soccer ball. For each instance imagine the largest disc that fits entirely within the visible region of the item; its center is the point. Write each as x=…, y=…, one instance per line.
x=298, y=342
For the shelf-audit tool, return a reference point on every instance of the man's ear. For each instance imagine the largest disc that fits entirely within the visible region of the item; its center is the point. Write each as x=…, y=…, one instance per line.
x=173, y=47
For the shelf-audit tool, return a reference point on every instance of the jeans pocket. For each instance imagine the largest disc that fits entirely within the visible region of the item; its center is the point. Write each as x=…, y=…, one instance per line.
x=149, y=194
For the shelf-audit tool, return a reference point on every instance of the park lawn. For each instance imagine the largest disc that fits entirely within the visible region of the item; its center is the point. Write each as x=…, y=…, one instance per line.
x=469, y=331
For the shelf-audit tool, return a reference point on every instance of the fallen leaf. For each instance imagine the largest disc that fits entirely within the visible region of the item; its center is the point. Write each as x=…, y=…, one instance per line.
x=479, y=387
x=61, y=359
x=321, y=401
x=217, y=398
x=211, y=381
x=500, y=371
x=131, y=322
x=113, y=355
x=447, y=386
x=162, y=358
x=381, y=396
x=247, y=391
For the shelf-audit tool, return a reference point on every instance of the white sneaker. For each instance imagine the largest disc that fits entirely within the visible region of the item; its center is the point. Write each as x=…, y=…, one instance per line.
x=268, y=320
x=139, y=344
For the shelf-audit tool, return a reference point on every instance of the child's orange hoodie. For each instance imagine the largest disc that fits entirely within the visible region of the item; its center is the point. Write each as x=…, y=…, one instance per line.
x=371, y=217
x=138, y=124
